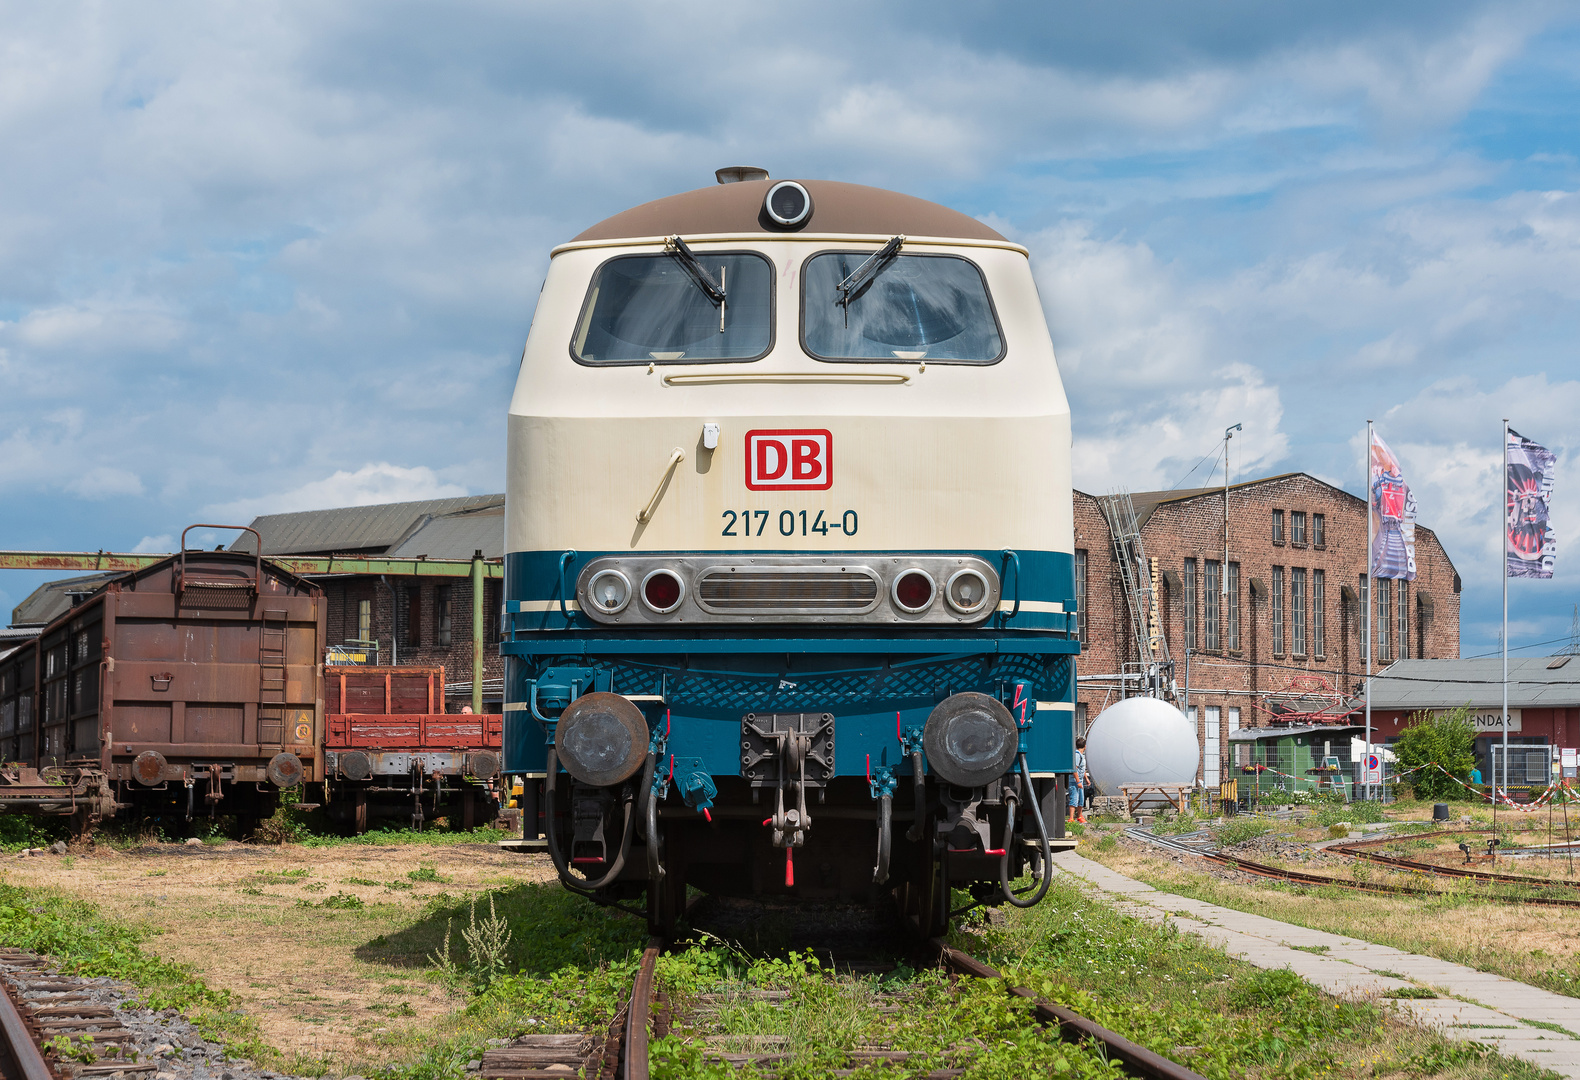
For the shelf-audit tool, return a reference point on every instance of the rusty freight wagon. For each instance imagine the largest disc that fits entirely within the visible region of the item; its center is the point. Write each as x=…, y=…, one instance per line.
x=18, y=681
x=390, y=749
x=193, y=686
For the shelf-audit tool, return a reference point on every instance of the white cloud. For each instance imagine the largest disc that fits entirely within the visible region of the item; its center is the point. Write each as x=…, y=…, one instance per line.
x=105, y=482
x=370, y=485
x=156, y=545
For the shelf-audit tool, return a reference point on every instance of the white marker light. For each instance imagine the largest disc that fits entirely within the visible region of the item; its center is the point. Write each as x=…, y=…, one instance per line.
x=710, y=436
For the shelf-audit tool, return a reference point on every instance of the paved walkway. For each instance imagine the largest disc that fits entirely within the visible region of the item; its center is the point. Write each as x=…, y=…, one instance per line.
x=1483, y=1007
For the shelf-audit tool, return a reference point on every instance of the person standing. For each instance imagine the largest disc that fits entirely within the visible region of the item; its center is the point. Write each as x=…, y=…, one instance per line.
x=1079, y=781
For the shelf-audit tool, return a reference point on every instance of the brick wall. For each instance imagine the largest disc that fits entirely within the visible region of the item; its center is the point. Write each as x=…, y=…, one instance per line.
x=1224, y=678
x=420, y=641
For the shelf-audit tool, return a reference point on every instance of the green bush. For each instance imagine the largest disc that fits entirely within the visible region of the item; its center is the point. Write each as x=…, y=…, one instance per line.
x=1447, y=740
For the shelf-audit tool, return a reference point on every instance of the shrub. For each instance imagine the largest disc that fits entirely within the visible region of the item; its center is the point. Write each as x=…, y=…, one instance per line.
x=1447, y=740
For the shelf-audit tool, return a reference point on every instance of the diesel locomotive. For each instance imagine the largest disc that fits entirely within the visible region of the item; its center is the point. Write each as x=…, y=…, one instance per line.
x=789, y=573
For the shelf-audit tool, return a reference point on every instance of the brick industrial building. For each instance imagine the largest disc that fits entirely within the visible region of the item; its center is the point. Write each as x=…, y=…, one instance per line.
x=405, y=620
x=1290, y=621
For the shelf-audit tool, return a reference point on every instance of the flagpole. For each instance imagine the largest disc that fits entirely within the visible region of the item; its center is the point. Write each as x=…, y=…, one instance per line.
x=1503, y=526
x=1367, y=599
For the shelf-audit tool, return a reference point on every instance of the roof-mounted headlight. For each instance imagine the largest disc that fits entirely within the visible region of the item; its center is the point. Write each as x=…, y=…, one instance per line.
x=788, y=204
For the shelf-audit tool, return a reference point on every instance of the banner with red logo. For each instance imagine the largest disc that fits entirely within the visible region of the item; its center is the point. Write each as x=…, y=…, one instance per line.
x=1528, y=492
x=1392, y=516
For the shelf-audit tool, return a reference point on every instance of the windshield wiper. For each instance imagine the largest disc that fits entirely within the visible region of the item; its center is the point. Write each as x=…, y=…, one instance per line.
x=675, y=246
x=864, y=273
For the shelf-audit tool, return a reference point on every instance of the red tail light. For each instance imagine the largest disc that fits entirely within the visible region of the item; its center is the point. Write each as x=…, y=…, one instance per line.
x=913, y=591
x=662, y=590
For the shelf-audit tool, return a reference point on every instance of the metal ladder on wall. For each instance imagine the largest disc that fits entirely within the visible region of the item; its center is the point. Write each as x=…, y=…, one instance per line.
x=1138, y=575
x=271, y=677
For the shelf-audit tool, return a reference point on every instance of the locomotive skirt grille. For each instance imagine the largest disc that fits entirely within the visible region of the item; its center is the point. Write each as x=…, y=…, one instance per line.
x=781, y=591
x=779, y=691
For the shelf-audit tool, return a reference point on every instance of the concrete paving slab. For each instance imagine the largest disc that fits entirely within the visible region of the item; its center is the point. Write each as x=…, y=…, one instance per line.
x=1483, y=1007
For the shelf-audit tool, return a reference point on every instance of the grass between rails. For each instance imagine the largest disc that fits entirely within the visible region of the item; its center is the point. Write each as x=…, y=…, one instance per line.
x=1535, y=945
x=825, y=1015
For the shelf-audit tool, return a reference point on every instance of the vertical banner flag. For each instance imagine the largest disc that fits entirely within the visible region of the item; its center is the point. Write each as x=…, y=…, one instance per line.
x=1393, y=516
x=1528, y=492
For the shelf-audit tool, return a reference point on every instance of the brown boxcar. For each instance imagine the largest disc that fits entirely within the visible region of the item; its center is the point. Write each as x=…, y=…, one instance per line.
x=18, y=682
x=391, y=749
x=195, y=684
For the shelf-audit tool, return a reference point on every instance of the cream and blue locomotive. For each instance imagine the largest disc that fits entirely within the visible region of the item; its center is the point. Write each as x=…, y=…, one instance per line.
x=789, y=572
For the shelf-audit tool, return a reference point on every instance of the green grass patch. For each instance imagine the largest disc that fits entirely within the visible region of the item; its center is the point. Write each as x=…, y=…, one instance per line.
x=80, y=940
x=1185, y=1000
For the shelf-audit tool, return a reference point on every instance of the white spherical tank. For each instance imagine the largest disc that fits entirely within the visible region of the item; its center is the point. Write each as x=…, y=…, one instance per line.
x=1141, y=741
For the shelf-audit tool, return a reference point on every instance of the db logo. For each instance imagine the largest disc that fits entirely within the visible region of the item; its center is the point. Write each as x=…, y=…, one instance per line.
x=789, y=460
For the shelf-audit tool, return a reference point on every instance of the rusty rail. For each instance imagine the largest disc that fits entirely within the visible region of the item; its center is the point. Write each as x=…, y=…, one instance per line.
x=1355, y=851
x=1072, y=1025
x=20, y=1056
x=639, y=1014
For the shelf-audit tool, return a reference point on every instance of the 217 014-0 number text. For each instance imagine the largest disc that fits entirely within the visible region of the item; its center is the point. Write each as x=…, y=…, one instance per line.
x=790, y=523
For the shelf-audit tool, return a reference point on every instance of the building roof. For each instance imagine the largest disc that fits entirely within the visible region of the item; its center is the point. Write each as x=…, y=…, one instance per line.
x=836, y=208
x=1147, y=502
x=1260, y=733
x=373, y=530
x=1447, y=684
x=457, y=535
x=53, y=599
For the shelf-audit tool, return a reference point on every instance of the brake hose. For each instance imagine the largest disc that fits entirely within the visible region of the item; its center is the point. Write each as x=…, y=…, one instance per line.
x=919, y=787
x=560, y=866
x=1042, y=834
x=880, y=873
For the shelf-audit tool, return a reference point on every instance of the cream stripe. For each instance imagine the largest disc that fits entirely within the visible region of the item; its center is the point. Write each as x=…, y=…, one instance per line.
x=540, y=605
x=1050, y=607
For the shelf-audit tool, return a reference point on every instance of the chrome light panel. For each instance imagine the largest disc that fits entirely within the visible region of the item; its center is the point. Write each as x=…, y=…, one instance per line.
x=767, y=589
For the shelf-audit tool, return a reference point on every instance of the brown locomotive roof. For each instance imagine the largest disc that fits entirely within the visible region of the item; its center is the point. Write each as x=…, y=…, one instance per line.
x=836, y=208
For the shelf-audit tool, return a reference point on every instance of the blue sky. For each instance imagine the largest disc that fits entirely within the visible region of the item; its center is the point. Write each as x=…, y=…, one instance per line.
x=269, y=257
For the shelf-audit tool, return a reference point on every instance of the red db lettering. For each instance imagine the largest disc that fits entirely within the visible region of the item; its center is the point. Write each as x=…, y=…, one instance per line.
x=804, y=454
x=770, y=450
x=781, y=460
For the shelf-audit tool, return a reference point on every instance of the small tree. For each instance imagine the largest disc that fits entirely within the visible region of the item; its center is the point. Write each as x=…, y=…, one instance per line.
x=1449, y=739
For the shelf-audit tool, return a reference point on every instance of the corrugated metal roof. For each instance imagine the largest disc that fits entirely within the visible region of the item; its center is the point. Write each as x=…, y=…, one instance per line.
x=1447, y=684
x=457, y=536
x=54, y=598
x=1258, y=734
x=370, y=529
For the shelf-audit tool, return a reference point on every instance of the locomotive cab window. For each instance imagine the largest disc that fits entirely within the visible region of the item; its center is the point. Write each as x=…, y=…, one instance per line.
x=904, y=309
x=677, y=308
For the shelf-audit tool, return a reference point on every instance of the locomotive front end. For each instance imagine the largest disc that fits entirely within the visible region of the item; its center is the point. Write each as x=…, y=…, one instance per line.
x=789, y=576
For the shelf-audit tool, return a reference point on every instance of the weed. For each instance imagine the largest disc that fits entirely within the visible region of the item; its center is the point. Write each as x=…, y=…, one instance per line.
x=1239, y=830
x=486, y=941
x=1315, y=950
x=341, y=901
x=426, y=873
x=65, y=1048
x=1411, y=993
x=357, y=881
x=1183, y=823
x=1107, y=843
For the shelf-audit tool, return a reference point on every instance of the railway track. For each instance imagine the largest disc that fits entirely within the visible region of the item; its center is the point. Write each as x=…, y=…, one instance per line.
x=1361, y=849
x=40, y=1005
x=623, y=1054
x=1297, y=877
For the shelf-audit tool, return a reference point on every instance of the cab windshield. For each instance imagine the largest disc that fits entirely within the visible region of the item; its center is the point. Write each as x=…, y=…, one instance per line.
x=913, y=307
x=646, y=308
